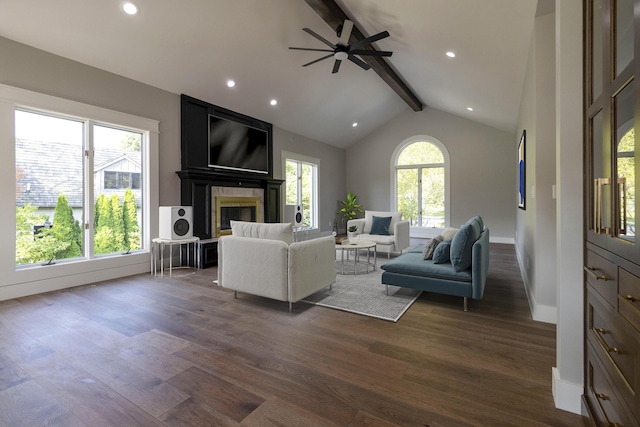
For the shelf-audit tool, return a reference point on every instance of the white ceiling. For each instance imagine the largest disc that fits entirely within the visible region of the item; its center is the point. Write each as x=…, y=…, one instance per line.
x=194, y=46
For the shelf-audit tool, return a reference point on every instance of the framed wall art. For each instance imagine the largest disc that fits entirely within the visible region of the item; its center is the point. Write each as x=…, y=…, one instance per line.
x=522, y=170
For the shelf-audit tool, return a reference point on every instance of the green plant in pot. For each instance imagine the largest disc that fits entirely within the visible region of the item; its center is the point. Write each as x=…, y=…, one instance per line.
x=350, y=208
x=351, y=234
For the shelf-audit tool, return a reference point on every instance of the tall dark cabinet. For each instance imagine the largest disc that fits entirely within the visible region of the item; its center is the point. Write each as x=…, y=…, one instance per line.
x=612, y=247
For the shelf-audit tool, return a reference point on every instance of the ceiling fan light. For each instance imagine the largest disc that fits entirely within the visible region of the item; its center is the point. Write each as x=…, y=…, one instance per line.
x=341, y=56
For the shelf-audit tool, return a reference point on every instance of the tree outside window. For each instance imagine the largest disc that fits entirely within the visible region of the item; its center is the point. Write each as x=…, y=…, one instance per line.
x=420, y=184
x=51, y=157
x=301, y=189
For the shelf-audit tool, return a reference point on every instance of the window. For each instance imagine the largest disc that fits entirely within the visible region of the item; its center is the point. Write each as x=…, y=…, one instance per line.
x=58, y=158
x=121, y=180
x=420, y=171
x=301, y=181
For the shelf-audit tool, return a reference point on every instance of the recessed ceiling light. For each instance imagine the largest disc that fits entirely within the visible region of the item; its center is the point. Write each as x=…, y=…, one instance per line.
x=451, y=54
x=273, y=102
x=354, y=124
x=470, y=108
x=130, y=8
x=231, y=83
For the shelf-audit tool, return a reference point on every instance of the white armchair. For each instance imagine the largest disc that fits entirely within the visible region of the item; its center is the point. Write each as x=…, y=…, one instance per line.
x=263, y=259
x=397, y=238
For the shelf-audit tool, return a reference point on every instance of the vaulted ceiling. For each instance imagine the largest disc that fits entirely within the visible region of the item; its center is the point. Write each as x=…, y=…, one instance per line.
x=194, y=47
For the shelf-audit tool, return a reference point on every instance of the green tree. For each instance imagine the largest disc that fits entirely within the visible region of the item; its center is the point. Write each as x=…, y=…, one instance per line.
x=626, y=170
x=103, y=233
x=96, y=211
x=66, y=229
x=423, y=163
x=117, y=224
x=132, y=142
x=130, y=217
x=32, y=247
x=291, y=171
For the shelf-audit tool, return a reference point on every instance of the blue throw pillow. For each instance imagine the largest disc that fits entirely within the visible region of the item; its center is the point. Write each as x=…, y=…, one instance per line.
x=441, y=253
x=380, y=225
x=462, y=243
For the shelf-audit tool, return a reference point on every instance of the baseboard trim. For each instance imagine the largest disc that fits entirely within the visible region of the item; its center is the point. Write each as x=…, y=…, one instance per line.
x=567, y=396
x=539, y=312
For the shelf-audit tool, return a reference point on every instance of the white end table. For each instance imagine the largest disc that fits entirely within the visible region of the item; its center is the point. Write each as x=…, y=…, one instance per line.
x=363, y=244
x=192, y=250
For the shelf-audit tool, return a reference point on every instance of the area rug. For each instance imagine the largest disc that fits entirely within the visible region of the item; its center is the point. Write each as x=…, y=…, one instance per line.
x=365, y=294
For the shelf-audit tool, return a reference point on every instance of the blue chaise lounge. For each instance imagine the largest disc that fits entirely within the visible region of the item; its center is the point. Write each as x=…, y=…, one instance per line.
x=464, y=273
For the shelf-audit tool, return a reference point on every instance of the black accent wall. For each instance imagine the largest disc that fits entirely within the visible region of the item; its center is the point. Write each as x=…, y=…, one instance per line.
x=197, y=177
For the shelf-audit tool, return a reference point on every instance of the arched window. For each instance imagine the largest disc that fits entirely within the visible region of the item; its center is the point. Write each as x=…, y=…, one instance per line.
x=421, y=183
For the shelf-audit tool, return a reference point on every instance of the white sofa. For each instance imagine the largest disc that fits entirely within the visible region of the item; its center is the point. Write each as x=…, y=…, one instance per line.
x=395, y=242
x=263, y=259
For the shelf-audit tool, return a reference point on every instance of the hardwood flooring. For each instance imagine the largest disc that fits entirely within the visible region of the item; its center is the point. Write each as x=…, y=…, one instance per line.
x=146, y=351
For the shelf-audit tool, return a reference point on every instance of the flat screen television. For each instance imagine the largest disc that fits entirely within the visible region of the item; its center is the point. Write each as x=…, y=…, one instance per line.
x=238, y=147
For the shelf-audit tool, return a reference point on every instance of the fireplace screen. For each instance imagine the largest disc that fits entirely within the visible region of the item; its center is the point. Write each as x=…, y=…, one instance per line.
x=235, y=209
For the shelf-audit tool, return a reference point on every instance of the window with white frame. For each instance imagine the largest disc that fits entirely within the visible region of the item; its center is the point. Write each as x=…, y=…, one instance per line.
x=301, y=184
x=420, y=167
x=79, y=187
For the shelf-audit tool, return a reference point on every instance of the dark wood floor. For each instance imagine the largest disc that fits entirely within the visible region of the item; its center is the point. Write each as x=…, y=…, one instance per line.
x=145, y=351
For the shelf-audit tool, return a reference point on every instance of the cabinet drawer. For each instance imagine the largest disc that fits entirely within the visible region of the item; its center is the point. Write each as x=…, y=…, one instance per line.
x=604, y=403
x=618, y=350
x=629, y=297
x=602, y=275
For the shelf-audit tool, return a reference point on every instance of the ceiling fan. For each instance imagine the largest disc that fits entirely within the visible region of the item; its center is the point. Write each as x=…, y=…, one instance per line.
x=343, y=50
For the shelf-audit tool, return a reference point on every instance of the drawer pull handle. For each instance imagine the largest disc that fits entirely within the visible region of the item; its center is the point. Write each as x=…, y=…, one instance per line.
x=592, y=272
x=601, y=396
x=601, y=331
x=631, y=298
x=614, y=350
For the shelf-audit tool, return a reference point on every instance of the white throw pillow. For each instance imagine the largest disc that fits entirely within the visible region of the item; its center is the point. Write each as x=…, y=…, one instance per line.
x=368, y=219
x=448, y=233
x=259, y=230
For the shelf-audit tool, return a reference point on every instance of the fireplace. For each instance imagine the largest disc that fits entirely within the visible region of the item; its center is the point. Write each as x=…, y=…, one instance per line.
x=235, y=209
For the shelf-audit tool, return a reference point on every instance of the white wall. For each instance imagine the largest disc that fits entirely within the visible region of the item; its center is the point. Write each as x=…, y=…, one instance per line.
x=536, y=225
x=568, y=375
x=550, y=232
x=482, y=160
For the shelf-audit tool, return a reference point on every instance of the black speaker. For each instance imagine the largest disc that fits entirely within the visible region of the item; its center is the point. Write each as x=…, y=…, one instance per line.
x=175, y=222
x=297, y=218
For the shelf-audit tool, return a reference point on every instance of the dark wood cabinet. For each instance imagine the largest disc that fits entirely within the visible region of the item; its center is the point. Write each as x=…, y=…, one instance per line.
x=208, y=253
x=612, y=250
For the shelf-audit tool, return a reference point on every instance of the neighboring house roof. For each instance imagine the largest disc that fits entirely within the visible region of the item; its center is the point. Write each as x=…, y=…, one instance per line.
x=47, y=169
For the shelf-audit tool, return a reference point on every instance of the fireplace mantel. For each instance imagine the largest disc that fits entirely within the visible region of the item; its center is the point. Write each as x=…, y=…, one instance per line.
x=195, y=190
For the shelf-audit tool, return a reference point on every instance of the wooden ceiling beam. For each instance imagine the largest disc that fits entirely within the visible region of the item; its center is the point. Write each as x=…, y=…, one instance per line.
x=335, y=16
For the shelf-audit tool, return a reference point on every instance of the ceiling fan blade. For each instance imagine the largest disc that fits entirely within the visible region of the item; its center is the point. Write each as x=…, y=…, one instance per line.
x=314, y=50
x=359, y=62
x=346, y=32
x=336, y=66
x=369, y=40
x=317, y=60
x=319, y=37
x=366, y=52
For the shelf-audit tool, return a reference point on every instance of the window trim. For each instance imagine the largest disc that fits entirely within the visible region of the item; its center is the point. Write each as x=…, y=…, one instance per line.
x=287, y=155
x=421, y=231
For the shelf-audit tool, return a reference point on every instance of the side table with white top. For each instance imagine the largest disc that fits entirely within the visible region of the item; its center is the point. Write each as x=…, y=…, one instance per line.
x=191, y=253
x=356, y=247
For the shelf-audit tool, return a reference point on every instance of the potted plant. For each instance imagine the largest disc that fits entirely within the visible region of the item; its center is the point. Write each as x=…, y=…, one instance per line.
x=351, y=233
x=350, y=207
